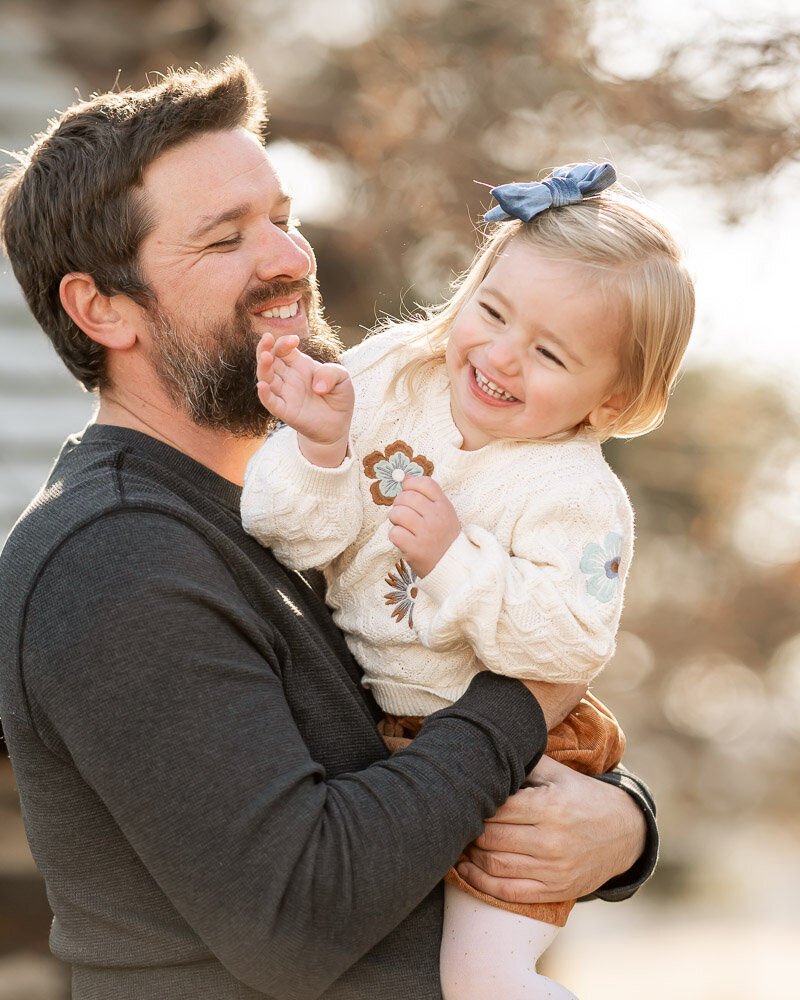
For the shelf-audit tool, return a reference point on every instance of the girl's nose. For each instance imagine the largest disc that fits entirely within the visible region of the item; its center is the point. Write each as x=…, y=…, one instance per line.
x=503, y=354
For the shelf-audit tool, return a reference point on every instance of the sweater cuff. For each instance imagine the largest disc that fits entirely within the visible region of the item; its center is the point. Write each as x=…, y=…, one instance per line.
x=625, y=885
x=506, y=708
x=318, y=480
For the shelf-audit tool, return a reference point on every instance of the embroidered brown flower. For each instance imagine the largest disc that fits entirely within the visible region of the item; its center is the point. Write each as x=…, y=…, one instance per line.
x=403, y=592
x=390, y=467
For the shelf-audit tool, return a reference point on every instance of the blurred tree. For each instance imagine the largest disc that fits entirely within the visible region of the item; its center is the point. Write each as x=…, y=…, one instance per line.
x=414, y=100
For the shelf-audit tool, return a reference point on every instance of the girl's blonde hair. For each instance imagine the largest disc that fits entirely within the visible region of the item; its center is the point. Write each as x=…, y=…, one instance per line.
x=641, y=269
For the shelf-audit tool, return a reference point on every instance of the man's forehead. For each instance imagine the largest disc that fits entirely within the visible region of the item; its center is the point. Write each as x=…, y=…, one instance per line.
x=210, y=174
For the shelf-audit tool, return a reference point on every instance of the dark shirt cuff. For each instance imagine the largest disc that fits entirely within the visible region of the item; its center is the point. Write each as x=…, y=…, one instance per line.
x=625, y=885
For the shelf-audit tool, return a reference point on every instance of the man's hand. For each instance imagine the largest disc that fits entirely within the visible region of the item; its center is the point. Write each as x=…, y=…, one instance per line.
x=560, y=837
x=316, y=399
x=425, y=523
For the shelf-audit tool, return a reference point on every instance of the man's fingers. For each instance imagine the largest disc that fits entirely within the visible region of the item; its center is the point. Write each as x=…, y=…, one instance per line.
x=512, y=890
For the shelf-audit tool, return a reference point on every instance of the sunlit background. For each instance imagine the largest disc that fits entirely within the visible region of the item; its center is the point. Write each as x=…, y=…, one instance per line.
x=383, y=114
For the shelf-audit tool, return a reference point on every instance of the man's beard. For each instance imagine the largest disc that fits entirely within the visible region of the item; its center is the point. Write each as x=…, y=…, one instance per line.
x=210, y=373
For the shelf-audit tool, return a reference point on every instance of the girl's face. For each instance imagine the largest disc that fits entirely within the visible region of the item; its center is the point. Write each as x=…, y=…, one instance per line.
x=534, y=352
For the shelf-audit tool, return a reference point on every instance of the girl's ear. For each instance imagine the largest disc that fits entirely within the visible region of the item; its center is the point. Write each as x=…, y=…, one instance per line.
x=104, y=318
x=604, y=414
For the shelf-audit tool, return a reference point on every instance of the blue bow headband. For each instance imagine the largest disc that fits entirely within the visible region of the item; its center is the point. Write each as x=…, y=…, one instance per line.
x=567, y=186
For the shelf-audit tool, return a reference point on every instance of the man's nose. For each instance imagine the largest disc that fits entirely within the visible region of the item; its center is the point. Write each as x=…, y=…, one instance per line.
x=283, y=255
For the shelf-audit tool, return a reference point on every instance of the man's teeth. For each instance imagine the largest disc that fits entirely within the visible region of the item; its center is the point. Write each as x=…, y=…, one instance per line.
x=281, y=312
x=491, y=389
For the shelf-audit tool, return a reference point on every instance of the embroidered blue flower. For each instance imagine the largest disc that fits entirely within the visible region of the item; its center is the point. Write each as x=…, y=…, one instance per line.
x=389, y=468
x=601, y=564
x=403, y=592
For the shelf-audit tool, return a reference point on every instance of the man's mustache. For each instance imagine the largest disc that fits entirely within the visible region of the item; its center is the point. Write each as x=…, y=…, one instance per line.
x=254, y=297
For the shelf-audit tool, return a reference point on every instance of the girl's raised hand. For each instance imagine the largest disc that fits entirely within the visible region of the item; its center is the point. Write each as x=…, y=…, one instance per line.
x=315, y=399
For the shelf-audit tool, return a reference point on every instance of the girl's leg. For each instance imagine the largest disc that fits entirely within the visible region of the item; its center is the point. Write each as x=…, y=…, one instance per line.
x=488, y=952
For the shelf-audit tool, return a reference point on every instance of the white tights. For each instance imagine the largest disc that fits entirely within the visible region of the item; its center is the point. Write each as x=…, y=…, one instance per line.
x=491, y=954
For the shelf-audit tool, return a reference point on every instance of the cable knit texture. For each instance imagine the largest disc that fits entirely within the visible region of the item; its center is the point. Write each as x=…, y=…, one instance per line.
x=532, y=587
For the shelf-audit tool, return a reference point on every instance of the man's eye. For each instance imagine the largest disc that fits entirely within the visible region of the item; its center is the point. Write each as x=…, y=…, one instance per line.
x=287, y=224
x=232, y=241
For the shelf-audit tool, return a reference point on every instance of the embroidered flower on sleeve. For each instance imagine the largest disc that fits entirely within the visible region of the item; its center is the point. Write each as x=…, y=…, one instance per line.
x=389, y=468
x=601, y=565
x=403, y=592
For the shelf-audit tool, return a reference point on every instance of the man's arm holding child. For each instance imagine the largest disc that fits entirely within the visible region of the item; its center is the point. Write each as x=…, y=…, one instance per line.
x=566, y=836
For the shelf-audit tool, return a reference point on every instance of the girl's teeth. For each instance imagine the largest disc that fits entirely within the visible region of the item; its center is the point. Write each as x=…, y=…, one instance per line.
x=281, y=312
x=491, y=389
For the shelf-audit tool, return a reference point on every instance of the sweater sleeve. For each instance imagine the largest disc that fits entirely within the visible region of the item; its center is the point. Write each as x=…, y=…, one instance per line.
x=548, y=609
x=306, y=514
x=166, y=690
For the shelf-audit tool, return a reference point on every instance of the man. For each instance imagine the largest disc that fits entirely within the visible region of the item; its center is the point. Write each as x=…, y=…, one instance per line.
x=203, y=785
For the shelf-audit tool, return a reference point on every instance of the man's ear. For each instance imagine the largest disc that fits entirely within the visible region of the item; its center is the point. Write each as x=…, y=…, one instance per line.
x=104, y=318
x=604, y=414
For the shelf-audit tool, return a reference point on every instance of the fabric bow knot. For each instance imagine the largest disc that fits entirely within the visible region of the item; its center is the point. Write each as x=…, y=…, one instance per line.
x=568, y=185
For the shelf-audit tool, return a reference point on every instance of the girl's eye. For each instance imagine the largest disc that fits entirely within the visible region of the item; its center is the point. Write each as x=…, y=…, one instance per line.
x=492, y=312
x=550, y=356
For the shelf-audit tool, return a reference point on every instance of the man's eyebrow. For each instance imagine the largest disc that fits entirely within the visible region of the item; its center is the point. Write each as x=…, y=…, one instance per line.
x=208, y=223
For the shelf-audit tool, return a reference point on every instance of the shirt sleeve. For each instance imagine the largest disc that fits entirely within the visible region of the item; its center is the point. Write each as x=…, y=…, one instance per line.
x=166, y=689
x=548, y=609
x=306, y=514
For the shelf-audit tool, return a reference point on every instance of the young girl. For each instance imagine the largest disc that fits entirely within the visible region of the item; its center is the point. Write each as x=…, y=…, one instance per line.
x=462, y=510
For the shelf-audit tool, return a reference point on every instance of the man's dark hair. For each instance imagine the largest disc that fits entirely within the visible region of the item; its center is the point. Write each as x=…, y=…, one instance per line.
x=74, y=200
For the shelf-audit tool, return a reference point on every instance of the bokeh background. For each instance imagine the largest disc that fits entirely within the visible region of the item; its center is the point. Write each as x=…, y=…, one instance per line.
x=384, y=112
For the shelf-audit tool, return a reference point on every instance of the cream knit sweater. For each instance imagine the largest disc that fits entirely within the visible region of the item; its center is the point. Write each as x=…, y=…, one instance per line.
x=532, y=587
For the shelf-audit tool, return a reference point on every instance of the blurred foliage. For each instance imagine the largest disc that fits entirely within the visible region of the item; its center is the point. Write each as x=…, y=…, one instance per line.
x=406, y=103
x=706, y=679
x=412, y=100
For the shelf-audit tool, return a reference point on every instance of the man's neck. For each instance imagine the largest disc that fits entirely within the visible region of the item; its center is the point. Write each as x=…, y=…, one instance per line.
x=218, y=450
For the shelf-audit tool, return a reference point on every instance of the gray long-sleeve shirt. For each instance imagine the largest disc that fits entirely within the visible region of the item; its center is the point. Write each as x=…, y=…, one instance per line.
x=200, y=775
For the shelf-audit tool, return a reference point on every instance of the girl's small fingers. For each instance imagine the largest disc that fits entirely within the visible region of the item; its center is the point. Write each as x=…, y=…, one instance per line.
x=400, y=537
x=423, y=485
x=267, y=399
x=285, y=345
x=328, y=376
x=266, y=342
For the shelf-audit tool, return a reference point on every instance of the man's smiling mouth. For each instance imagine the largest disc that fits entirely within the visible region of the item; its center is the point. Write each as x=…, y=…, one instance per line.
x=281, y=312
x=491, y=389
